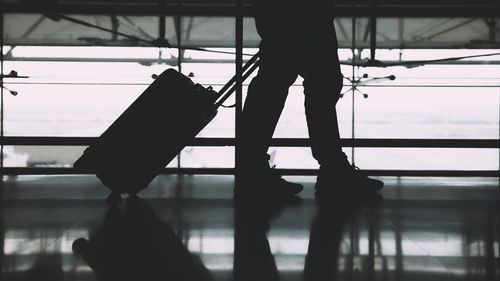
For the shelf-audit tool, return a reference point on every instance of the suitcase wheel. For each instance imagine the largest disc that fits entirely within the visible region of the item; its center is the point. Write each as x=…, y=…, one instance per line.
x=79, y=246
x=114, y=199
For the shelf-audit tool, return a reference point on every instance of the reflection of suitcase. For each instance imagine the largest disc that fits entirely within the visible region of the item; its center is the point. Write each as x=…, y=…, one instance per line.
x=154, y=129
x=133, y=243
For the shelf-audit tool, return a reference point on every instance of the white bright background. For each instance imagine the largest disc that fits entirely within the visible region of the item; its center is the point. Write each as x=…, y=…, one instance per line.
x=83, y=98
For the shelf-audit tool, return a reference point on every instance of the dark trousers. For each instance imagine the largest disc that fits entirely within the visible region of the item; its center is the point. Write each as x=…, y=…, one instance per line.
x=298, y=46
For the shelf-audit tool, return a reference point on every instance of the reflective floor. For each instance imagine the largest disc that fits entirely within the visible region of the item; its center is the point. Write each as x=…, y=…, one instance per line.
x=190, y=228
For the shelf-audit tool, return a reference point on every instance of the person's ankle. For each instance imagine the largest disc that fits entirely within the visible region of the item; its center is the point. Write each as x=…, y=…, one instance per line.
x=336, y=162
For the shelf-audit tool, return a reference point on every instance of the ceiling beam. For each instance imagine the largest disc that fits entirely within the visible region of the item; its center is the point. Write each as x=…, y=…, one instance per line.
x=173, y=61
x=472, y=9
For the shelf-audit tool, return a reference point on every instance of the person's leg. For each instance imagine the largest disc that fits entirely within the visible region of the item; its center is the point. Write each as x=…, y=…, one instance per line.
x=321, y=95
x=266, y=98
x=322, y=88
x=263, y=106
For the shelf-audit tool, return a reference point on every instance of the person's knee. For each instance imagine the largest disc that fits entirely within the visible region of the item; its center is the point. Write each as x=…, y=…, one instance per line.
x=286, y=77
x=323, y=90
x=280, y=77
x=268, y=90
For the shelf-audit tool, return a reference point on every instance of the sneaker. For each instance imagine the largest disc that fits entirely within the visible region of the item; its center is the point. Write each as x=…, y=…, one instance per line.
x=346, y=178
x=265, y=182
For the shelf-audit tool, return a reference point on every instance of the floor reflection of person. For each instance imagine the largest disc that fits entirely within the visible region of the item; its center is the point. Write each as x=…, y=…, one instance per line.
x=327, y=232
x=253, y=259
x=324, y=248
x=298, y=38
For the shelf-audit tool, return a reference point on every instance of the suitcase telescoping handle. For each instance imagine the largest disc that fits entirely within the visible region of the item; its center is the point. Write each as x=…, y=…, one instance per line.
x=230, y=87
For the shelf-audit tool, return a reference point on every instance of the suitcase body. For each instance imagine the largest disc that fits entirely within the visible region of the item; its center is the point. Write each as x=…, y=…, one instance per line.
x=150, y=133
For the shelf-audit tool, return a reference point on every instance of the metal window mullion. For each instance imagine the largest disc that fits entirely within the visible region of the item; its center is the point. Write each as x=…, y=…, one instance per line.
x=275, y=142
x=1, y=87
x=2, y=227
x=353, y=77
x=180, y=55
x=231, y=171
x=239, y=81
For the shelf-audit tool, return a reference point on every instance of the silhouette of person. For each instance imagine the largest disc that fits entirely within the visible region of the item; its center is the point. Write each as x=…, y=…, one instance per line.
x=298, y=38
x=253, y=259
x=327, y=230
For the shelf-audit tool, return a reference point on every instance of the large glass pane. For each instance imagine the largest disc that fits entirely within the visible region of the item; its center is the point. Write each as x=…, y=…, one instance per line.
x=71, y=98
x=207, y=157
x=427, y=158
x=208, y=31
x=47, y=156
x=213, y=69
x=41, y=156
x=427, y=112
x=85, y=30
x=460, y=100
x=395, y=158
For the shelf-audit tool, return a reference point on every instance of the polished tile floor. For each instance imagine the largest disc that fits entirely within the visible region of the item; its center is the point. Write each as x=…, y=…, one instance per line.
x=190, y=228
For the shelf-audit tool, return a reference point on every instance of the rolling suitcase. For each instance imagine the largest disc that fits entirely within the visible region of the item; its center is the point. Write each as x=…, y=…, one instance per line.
x=154, y=129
